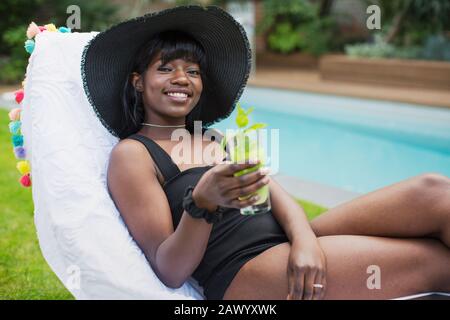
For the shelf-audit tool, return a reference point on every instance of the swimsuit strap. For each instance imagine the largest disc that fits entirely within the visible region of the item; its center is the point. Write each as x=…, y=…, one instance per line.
x=161, y=158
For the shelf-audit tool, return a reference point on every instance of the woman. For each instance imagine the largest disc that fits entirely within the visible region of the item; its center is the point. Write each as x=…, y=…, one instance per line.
x=156, y=74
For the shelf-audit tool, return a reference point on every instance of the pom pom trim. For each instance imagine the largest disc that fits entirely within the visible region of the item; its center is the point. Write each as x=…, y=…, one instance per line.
x=23, y=166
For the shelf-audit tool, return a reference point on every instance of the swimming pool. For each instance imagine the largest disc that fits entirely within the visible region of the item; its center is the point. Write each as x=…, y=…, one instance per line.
x=354, y=144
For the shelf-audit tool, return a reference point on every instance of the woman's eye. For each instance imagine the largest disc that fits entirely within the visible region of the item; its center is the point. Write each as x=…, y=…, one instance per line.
x=163, y=68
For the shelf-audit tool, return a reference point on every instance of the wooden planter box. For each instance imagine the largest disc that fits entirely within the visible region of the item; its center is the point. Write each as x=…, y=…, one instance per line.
x=396, y=72
x=293, y=60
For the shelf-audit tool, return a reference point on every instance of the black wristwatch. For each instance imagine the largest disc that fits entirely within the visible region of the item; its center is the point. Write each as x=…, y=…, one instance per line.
x=200, y=213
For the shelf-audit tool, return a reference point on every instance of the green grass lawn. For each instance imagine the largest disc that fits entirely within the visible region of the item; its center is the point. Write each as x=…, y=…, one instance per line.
x=24, y=274
x=312, y=210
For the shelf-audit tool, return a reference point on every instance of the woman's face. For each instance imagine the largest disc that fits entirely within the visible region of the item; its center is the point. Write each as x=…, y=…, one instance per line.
x=171, y=90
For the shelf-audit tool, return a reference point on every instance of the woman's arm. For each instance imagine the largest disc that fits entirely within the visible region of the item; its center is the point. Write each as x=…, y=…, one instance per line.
x=180, y=254
x=289, y=214
x=135, y=189
x=307, y=262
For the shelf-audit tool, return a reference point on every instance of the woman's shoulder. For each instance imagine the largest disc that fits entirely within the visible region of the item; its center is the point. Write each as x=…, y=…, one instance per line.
x=131, y=153
x=128, y=147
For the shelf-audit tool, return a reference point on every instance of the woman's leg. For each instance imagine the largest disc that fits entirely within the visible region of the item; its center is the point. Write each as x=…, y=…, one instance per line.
x=407, y=266
x=417, y=207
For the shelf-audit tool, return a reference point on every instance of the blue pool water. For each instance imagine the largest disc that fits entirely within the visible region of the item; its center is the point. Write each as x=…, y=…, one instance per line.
x=354, y=144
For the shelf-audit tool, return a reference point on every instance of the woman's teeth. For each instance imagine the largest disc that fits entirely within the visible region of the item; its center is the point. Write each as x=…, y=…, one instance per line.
x=178, y=95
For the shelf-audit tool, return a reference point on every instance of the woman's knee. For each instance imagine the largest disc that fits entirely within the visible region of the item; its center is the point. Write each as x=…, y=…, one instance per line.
x=433, y=181
x=431, y=190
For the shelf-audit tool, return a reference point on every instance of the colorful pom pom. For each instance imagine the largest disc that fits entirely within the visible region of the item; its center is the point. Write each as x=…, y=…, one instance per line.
x=14, y=114
x=25, y=180
x=50, y=27
x=64, y=30
x=32, y=30
x=17, y=140
x=19, y=95
x=20, y=153
x=14, y=127
x=29, y=46
x=23, y=167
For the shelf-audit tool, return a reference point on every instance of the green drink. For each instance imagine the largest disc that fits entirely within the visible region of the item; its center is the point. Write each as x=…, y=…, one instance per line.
x=245, y=149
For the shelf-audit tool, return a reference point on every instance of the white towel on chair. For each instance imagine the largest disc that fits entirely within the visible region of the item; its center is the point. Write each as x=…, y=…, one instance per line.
x=80, y=231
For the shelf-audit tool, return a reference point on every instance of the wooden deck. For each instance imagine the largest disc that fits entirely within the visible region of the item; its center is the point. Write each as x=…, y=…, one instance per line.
x=310, y=81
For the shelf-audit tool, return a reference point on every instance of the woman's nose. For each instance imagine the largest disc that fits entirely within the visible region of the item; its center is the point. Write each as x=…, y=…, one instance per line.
x=180, y=76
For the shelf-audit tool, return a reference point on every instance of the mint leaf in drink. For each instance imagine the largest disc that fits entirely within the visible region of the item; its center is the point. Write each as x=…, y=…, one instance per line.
x=241, y=118
x=255, y=126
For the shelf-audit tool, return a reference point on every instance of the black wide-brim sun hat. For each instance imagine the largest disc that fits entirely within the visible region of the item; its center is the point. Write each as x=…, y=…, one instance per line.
x=107, y=58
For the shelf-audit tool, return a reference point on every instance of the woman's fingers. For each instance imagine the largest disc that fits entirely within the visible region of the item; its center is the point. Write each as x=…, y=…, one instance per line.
x=236, y=203
x=298, y=286
x=249, y=178
x=291, y=280
x=245, y=191
x=230, y=169
x=324, y=284
x=229, y=181
x=308, y=290
x=301, y=285
x=317, y=291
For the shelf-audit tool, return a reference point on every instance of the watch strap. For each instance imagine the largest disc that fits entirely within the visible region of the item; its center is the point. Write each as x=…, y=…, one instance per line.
x=200, y=213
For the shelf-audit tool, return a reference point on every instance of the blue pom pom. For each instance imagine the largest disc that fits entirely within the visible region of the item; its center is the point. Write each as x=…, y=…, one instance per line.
x=17, y=140
x=29, y=46
x=64, y=30
x=14, y=127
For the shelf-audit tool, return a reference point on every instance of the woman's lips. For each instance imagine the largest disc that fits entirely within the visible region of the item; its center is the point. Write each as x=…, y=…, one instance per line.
x=180, y=100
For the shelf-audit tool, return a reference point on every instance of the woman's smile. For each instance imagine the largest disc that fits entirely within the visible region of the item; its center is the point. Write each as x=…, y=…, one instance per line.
x=179, y=98
x=178, y=95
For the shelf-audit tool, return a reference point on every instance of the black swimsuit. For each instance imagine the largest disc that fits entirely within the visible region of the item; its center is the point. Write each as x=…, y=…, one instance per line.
x=233, y=241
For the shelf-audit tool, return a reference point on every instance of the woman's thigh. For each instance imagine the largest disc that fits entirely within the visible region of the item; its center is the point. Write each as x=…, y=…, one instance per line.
x=358, y=267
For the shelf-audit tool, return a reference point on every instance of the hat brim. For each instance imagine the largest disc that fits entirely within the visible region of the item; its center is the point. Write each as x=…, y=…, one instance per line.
x=107, y=58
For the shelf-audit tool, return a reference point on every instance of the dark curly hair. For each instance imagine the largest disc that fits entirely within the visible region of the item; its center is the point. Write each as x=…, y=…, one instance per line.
x=172, y=45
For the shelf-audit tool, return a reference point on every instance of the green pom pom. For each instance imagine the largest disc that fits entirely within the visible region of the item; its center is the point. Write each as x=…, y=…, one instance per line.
x=14, y=127
x=29, y=46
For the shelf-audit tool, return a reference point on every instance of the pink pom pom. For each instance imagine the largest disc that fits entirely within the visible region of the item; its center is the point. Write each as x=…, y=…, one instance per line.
x=14, y=114
x=19, y=95
x=25, y=180
x=42, y=28
x=32, y=30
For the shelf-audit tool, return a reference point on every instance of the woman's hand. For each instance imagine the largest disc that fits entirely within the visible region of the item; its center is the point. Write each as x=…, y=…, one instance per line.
x=219, y=187
x=306, y=267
